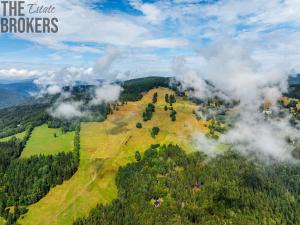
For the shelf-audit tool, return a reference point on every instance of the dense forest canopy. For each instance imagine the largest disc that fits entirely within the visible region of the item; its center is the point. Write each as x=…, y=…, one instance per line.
x=169, y=186
x=25, y=181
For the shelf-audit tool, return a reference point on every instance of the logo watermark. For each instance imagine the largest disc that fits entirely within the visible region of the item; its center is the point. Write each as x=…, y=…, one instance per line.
x=19, y=17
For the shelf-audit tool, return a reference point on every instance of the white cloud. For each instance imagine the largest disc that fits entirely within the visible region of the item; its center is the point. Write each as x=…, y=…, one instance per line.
x=238, y=76
x=151, y=12
x=54, y=89
x=53, y=81
x=206, y=145
x=78, y=22
x=63, y=108
x=252, y=133
x=14, y=73
x=67, y=110
x=270, y=27
x=106, y=93
x=65, y=77
x=104, y=63
x=165, y=43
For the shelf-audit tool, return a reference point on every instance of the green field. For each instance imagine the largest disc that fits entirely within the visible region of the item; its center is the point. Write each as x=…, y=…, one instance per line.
x=104, y=147
x=2, y=221
x=42, y=141
x=18, y=135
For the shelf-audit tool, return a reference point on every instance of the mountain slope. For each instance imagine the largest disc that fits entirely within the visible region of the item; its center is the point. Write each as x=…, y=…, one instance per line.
x=107, y=145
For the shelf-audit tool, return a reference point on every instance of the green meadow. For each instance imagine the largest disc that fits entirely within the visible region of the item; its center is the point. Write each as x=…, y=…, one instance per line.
x=2, y=221
x=19, y=136
x=47, y=141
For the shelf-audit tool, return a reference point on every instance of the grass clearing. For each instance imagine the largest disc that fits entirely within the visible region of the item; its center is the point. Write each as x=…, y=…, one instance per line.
x=107, y=145
x=2, y=221
x=18, y=135
x=42, y=141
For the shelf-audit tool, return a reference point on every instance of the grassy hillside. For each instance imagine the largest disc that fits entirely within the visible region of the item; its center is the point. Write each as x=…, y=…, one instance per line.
x=42, y=141
x=107, y=145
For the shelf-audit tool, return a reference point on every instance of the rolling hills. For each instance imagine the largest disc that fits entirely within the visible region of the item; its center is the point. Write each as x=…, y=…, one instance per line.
x=107, y=145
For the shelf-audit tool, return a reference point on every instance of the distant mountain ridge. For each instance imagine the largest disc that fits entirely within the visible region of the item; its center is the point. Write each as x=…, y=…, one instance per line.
x=16, y=93
x=294, y=79
x=22, y=88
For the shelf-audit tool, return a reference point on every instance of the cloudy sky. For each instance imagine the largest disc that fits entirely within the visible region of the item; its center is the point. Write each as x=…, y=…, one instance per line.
x=139, y=38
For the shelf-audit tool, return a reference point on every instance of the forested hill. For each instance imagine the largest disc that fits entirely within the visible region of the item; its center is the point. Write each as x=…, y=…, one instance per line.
x=162, y=184
x=168, y=187
x=133, y=89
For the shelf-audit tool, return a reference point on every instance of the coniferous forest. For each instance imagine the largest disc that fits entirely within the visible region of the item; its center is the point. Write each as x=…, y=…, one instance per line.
x=25, y=181
x=169, y=186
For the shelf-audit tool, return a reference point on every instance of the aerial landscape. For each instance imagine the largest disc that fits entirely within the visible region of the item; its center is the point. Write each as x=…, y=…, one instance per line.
x=131, y=112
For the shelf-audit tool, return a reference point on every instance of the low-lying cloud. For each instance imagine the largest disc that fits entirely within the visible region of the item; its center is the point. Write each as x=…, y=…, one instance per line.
x=106, y=93
x=54, y=89
x=237, y=76
x=52, y=82
x=67, y=110
x=100, y=76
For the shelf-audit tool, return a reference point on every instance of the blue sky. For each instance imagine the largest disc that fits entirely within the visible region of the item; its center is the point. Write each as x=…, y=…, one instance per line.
x=146, y=37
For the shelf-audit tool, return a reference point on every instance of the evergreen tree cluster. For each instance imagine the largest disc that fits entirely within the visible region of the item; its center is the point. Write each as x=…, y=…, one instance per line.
x=170, y=99
x=138, y=125
x=65, y=125
x=154, y=98
x=19, y=118
x=150, y=109
x=133, y=89
x=216, y=125
x=168, y=186
x=12, y=149
x=167, y=98
x=173, y=115
x=154, y=131
x=25, y=181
